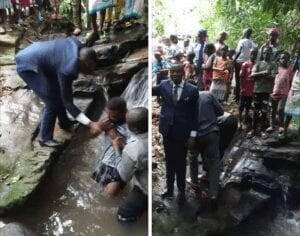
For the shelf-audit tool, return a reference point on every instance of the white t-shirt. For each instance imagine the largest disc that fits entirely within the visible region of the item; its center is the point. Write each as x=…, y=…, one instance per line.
x=246, y=45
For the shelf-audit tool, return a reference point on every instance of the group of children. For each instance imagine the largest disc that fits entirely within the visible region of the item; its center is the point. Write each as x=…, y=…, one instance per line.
x=111, y=12
x=124, y=157
x=265, y=82
x=14, y=11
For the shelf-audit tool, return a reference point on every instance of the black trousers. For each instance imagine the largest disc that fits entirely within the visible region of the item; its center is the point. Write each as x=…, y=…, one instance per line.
x=238, y=67
x=175, y=153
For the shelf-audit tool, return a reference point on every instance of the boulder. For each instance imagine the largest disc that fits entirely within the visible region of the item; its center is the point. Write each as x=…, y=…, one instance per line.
x=15, y=229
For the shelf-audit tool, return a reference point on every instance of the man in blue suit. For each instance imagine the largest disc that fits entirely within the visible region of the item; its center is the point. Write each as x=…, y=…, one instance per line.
x=178, y=125
x=49, y=68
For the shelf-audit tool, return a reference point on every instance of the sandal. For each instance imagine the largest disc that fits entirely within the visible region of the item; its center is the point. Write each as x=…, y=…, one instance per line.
x=280, y=129
x=270, y=129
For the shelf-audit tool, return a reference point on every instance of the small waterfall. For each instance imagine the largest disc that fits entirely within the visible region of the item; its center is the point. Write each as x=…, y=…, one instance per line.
x=136, y=93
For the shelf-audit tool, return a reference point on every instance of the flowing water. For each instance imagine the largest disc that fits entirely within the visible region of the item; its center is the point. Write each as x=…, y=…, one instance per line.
x=68, y=202
x=273, y=222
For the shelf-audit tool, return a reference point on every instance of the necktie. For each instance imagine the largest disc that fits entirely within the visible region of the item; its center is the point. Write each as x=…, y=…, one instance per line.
x=175, y=94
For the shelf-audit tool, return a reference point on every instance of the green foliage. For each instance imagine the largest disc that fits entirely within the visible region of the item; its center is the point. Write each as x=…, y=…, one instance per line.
x=159, y=27
x=233, y=16
x=65, y=8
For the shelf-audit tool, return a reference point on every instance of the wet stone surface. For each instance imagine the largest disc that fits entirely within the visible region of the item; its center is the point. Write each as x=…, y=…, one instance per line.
x=257, y=178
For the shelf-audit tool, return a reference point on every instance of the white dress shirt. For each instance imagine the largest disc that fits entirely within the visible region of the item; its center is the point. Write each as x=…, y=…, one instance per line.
x=179, y=92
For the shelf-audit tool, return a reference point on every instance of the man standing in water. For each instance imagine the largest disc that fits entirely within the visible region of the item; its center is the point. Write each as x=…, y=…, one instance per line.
x=49, y=68
x=178, y=125
x=134, y=164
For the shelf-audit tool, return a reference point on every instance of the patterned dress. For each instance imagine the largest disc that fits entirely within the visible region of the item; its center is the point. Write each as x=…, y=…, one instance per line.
x=292, y=106
x=22, y=3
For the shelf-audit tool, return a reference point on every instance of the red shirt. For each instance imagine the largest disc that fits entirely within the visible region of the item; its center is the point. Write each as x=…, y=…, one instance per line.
x=282, y=82
x=246, y=82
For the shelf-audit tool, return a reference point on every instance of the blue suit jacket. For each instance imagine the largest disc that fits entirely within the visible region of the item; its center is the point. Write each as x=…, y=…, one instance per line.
x=57, y=60
x=177, y=120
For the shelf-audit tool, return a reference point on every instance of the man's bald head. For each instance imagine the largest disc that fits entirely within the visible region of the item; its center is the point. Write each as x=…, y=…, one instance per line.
x=87, y=60
x=137, y=120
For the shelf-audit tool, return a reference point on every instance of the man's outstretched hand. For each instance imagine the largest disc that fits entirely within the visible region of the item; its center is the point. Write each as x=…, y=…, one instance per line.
x=95, y=129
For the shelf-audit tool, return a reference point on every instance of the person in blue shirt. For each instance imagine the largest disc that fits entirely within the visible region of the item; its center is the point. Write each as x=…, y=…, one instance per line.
x=49, y=68
x=199, y=51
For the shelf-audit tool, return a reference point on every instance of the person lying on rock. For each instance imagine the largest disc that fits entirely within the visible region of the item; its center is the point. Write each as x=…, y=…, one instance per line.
x=49, y=68
x=115, y=131
x=134, y=165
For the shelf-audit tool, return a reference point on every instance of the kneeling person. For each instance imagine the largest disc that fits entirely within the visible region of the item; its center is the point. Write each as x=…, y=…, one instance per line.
x=115, y=132
x=134, y=164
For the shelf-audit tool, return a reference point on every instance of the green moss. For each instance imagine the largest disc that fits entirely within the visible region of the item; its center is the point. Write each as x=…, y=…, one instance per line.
x=7, y=51
x=24, y=177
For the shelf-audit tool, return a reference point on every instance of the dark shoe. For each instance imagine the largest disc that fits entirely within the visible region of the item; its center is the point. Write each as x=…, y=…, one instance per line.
x=180, y=199
x=167, y=194
x=50, y=143
x=213, y=203
x=126, y=219
x=93, y=37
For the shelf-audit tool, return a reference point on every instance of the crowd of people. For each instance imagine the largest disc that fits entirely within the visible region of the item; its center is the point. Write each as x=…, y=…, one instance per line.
x=112, y=13
x=193, y=82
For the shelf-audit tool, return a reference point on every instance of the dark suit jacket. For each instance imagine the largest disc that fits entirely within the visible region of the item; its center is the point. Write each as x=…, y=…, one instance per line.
x=177, y=120
x=58, y=61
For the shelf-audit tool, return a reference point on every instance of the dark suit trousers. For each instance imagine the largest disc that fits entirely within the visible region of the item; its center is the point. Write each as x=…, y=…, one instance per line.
x=207, y=146
x=175, y=152
x=49, y=93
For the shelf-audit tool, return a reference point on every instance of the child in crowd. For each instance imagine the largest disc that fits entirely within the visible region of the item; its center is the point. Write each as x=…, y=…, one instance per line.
x=263, y=74
x=174, y=47
x=94, y=7
x=221, y=73
x=292, y=107
x=55, y=7
x=246, y=87
x=115, y=131
x=5, y=15
x=190, y=67
x=160, y=67
x=209, y=51
x=280, y=91
x=134, y=165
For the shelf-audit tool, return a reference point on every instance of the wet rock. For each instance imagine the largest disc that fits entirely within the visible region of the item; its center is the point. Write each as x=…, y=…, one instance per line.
x=10, y=78
x=20, y=114
x=136, y=93
x=249, y=202
x=8, y=40
x=15, y=229
x=29, y=169
x=23, y=163
x=122, y=44
x=85, y=86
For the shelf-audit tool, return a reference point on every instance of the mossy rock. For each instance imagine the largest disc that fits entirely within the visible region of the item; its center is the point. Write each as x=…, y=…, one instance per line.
x=24, y=178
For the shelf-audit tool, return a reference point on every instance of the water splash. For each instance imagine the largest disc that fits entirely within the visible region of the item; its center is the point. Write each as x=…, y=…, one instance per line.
x=136, y=93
